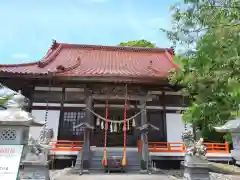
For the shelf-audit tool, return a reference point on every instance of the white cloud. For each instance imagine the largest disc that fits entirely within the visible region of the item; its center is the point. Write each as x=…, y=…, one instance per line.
x=20, y=56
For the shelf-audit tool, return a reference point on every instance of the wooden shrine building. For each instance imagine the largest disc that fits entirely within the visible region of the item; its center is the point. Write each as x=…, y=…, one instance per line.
x=105, y=96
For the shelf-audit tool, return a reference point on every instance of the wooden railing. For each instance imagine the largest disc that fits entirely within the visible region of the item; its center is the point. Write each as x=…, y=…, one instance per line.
x=180, y=147
x=66, y=145
x=217, y=147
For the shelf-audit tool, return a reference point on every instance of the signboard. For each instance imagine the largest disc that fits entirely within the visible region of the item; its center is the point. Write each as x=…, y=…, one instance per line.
x=10, y=156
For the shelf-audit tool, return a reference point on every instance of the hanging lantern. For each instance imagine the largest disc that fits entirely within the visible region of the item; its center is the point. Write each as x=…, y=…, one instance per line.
x=98, y=121
x=128, y=124
x=102, y=125
x=133, y=123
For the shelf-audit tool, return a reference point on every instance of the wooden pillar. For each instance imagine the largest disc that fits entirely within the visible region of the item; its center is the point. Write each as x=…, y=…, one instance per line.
x=144, y=137
x=87, y=131
x=164, y=113
x=28, y=93
x=61, y=112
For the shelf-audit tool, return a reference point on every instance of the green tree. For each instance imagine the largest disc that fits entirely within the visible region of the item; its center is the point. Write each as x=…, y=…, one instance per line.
x=210, y=66
x=3, y=100
x=138, y=43
x=4, y=97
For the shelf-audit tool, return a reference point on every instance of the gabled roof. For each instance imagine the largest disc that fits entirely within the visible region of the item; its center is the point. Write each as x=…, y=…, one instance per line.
x=79, y=60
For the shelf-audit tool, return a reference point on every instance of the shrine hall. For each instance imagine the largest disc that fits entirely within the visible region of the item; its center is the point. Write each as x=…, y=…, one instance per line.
x=104, y=101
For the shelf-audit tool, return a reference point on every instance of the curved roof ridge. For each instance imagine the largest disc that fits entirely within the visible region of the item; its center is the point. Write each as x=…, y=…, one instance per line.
x=50, y=56
x=116, y=48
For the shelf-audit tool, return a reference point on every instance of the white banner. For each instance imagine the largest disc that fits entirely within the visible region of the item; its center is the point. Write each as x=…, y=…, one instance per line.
x=10, y=156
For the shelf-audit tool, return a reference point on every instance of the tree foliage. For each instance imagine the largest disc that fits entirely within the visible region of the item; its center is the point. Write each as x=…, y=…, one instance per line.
x=3, y=100
x=210, y=32
x=3, y=96
x=138, y=43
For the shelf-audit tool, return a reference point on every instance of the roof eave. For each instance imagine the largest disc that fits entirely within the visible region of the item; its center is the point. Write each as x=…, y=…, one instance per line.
x=117, y=79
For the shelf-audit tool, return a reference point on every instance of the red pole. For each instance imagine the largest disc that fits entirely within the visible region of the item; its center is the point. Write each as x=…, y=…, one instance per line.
x=106, y=127
x=125, y=128
x=104, y=163
x=124, y=160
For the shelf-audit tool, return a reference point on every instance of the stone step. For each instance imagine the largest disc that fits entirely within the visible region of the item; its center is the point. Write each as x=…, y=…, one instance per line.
x=133, y=159
x=96, y=156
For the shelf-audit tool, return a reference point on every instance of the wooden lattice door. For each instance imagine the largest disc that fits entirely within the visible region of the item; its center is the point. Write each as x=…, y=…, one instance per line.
x=68, y=121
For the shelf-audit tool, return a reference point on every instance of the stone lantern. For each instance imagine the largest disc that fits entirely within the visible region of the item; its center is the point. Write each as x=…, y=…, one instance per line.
x=14, y=134
x=144, y=129
x=233, y=127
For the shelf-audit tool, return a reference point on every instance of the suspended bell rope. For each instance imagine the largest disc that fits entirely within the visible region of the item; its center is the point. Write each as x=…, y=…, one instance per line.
x=113, y=121
x=124, y=159
x=47, y=105
x=104, y=162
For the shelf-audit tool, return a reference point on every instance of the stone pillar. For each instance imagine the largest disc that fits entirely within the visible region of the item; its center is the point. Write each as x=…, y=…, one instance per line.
x=144, y=138
x=87, y=131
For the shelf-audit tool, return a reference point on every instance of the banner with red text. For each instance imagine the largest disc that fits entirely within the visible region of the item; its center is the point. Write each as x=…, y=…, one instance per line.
x=10, y=157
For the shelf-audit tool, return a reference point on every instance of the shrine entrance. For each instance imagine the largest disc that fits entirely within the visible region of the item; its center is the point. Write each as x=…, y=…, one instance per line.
x=115, y=132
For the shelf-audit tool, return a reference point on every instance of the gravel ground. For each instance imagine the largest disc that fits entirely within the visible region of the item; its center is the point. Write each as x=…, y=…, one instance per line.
x=115, y=177
x=162, y=174
x=178, y=174
x=56, y=174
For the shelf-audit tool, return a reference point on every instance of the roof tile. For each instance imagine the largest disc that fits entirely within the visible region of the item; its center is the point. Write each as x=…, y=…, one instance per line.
x=93, y=60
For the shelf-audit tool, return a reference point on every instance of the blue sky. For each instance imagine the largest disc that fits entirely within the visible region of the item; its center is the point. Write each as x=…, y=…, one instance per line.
x=28, y=27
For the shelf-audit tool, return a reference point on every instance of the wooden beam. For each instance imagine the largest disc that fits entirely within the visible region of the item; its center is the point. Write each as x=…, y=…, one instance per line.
x=122, y=97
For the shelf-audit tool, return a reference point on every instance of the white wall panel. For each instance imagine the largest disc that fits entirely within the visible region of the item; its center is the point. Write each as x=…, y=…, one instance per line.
x=52, y=122
x=175, y=127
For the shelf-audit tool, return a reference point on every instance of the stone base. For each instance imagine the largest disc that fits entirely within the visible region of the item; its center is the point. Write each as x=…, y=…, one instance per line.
x=84, y=171
x=143, y=165
x=195, y=168
x=35, y=171
x=145, y=172
x=85, y=164
x=195, y=173
x=236, y=155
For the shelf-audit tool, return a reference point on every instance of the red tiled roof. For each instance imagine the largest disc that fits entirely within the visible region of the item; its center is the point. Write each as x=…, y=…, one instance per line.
x=95, y=60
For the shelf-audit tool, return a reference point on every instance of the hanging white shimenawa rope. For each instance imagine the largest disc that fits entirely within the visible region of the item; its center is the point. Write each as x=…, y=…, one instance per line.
x=114, y=121
x=102, y=125
x=98, y=122
x=115, y=127
x=111, y=127
x=133, y=123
